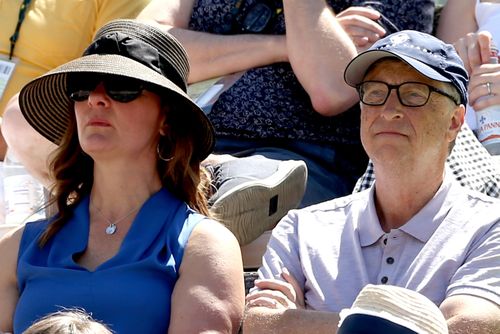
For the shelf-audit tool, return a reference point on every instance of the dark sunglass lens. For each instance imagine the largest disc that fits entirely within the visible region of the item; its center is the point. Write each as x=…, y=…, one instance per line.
x=79, y=85
x=79, y=95
x=123, y=89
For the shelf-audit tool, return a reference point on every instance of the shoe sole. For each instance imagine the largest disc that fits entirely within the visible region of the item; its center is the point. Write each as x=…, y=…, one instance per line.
x=256, y=206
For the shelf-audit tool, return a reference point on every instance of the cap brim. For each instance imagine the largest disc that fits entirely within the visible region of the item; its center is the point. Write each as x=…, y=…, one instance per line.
x=356, y=69
x=46, y=106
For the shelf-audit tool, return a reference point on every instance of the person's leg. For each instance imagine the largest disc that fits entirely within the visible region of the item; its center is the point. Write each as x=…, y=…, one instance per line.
x=251, y=192
x=27, y=145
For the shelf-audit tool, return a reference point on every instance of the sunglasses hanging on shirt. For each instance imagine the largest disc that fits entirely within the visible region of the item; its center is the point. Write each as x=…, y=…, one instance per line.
x=254, y=18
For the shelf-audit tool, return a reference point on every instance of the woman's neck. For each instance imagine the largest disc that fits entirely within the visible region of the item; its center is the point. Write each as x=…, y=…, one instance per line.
x=119, y=188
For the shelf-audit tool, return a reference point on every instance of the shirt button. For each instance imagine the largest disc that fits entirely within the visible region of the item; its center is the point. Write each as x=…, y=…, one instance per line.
x=385, y=241
x=384, y=280
x=389, y=260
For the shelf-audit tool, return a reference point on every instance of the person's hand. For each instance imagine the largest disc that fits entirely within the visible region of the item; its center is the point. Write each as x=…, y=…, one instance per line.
x=360, y=24
x=277, y=294
x=484, y=76
x=474, y=49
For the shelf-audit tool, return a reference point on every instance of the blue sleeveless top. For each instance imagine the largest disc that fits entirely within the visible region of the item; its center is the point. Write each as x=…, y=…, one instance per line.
x=130, y=292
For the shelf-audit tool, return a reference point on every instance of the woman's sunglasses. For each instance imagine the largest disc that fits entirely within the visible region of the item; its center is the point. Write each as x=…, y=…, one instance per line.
x=119, y=88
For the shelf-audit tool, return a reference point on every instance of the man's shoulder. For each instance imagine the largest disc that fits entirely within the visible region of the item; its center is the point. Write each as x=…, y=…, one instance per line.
x=473, y=197
x=474, y=207
x=341, y=203
x=333, y=210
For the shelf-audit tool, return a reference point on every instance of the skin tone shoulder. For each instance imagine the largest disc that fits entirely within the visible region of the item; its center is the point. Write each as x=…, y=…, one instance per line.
x=207, y=293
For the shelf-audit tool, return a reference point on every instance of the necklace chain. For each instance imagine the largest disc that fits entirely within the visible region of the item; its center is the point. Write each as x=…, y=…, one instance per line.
x=111, y=228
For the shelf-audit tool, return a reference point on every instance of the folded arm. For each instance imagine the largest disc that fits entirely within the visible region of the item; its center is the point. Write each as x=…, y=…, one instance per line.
x=319, y=49
x=278, y=307
x=456, y=20
x=212, y=55
x=467, y=314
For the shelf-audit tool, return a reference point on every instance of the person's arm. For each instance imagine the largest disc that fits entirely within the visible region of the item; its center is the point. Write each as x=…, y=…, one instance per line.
x=209, y=295
x=34, y=150
x=279, y=307
x=468, y=314
x=9, y=294
x=457, y=24
x=212, y=55
x=312, y=26
x=263, y=320
x=319, y=50
x=457, y=19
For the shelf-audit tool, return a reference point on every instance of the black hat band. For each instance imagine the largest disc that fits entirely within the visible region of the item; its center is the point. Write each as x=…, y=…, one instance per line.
x=123, y=45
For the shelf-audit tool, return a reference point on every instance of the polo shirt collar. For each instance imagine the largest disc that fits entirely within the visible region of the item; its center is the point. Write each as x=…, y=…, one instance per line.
x=369, y=225
x=421, y=226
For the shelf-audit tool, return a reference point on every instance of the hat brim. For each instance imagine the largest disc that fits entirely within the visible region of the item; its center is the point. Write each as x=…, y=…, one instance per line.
x=46, y=106
x=356, y=69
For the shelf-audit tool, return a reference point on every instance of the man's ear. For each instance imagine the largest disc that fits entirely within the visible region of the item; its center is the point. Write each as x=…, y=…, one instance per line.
x=456, y=121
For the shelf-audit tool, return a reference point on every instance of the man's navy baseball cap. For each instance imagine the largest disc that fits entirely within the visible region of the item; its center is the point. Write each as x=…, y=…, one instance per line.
x=425, y=53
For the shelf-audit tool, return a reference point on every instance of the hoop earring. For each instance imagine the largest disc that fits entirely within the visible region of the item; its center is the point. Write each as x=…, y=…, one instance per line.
x=159, y=154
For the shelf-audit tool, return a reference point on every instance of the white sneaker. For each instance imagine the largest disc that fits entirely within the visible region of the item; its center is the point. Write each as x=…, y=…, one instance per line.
x=256, y=206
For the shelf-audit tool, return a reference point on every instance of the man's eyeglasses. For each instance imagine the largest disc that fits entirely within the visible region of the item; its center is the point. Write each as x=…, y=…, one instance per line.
x=410, y=94
x=121, y=89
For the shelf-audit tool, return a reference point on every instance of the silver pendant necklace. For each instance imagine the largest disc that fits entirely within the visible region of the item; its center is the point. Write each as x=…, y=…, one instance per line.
x=111, y=228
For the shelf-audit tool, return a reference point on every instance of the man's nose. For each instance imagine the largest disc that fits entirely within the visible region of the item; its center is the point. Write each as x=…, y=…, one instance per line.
x=392, y=106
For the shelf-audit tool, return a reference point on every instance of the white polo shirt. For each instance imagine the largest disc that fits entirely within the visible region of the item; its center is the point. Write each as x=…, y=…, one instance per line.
x=452, y=246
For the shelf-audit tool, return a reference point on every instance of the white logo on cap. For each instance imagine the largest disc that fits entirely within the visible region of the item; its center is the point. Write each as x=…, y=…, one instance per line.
x=399, y=39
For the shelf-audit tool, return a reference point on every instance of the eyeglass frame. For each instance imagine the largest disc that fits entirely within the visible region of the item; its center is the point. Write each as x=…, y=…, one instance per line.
x=396, y=87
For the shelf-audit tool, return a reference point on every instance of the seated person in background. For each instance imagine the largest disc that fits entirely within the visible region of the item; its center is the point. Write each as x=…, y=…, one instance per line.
x=68, y=321
x=131, y=243
x=50, y=33
x=389, y=309
x=472, y=35
x=291, y=102
x=416, y=227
